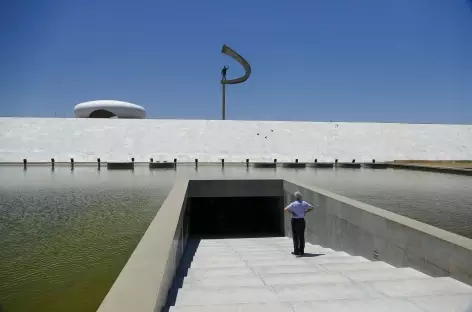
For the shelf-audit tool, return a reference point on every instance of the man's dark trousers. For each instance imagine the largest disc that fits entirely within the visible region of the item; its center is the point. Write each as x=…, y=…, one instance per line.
x=298, y=233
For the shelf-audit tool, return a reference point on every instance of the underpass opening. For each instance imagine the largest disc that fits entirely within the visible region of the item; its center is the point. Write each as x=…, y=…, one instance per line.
x=101, y=113
x=235, y=217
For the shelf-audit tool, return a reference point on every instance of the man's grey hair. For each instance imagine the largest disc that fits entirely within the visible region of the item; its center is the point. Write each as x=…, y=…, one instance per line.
x=298, y=195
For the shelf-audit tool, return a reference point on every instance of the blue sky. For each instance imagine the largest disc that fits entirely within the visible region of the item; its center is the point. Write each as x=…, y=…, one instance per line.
x=340, y=60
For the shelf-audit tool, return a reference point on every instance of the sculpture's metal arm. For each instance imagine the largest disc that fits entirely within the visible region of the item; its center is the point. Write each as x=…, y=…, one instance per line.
x=247, y=68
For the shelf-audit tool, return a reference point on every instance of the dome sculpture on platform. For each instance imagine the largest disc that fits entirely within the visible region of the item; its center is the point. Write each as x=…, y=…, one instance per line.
x=109, y=109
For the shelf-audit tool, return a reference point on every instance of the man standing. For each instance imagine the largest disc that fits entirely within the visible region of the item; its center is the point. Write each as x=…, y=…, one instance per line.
x=223, y=72
x=298, y=209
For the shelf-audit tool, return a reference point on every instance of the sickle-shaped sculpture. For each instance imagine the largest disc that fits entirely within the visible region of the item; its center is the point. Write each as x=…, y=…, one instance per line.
x=247, y=68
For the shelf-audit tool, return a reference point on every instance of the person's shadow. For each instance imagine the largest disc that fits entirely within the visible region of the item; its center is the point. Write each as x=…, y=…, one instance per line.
x=311, y=255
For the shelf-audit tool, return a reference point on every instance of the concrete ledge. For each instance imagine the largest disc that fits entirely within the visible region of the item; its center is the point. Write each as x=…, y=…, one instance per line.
x=321, y=165
x=264, y=165
x=164, y=165
x=432, y=169
x=146, y=278
x=120, y=165
x=348, y=165
x=293, y=165
x=364, y=230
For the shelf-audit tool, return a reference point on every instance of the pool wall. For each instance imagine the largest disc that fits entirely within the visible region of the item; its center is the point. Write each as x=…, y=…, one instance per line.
x=147, y=276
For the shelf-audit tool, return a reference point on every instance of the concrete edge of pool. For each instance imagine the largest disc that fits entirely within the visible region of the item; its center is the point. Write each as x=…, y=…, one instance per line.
x=338, y=222
x=273, y=165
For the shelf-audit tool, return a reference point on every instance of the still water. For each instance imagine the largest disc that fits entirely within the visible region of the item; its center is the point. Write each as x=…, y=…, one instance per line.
x=65, y=235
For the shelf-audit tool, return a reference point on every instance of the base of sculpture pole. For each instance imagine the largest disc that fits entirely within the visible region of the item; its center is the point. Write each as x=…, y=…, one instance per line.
x=223, y=104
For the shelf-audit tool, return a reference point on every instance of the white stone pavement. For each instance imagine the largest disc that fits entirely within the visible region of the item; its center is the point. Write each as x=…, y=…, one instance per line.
x=260, y=274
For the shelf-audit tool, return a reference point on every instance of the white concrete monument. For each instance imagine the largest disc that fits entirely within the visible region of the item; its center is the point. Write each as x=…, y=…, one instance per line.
x=109, y=109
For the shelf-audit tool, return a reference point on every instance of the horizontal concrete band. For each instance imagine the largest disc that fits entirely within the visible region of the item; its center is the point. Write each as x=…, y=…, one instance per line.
x=441, y=169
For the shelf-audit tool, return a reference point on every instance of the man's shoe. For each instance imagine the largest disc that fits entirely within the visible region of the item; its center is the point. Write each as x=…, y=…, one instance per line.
x=295, y=253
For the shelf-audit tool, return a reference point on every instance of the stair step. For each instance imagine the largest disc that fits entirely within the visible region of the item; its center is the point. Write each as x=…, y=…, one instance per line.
x=326, y=260
x=286, y=275
x=255, y=307
x=258, y=250
x=304, y=278
x=304, y=292
x=225, y=295
x=270, y=254
x=273, y=242
x=222, y=253
x=364, y=305
x=215, y=257
x=288, y=261
x=218, y=264
x=254, y=239
x=304, y=260
x=206, y=243
x=269, y=280
x=384, y=274
x=211, y=250
x=325, y=255
x=421, y=287
x=271, y=248
x=222, y=281
x=287, y=269
x=287, y=255
x=230, y=271
x=439, y=303
x=341, y=267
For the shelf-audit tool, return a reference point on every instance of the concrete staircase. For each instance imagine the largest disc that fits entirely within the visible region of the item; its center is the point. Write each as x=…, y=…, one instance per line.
x=260, y=274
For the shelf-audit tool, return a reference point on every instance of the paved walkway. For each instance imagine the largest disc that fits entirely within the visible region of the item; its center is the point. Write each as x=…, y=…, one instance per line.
x=260, y=274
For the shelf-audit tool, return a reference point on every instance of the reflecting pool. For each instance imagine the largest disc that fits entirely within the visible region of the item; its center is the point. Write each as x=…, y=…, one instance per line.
x=65, y=235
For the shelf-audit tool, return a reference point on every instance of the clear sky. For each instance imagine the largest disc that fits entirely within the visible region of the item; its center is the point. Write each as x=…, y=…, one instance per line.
x=317, y=60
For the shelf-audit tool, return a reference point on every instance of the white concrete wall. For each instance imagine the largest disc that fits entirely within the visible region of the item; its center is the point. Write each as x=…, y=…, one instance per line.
x=40, y=139
x=360, y=229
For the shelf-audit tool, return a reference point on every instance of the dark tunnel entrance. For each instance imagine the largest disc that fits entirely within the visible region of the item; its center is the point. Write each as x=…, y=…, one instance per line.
x=101, y=113
x=233, y=217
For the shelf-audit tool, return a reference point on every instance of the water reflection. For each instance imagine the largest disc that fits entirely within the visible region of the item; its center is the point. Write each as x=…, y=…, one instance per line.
x=65, y=234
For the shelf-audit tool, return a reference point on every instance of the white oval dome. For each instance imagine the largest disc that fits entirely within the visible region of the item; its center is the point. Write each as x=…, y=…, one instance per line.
x=109, y=109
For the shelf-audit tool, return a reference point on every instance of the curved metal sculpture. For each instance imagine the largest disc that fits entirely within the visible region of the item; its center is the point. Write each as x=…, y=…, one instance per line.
x=247, y=68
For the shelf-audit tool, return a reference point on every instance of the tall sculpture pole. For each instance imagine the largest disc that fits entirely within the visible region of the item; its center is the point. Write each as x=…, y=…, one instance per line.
x=223, y=86
x=247, y=68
